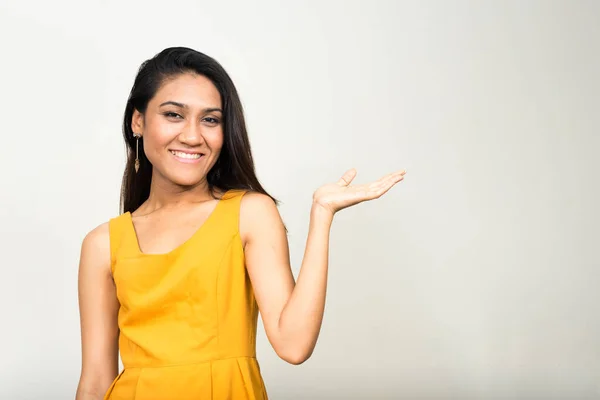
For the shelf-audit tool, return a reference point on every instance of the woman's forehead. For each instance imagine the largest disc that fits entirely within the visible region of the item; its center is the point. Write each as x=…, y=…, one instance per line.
x=190, y=90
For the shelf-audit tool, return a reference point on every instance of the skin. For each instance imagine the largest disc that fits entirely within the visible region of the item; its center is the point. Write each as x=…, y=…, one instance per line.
x=292, y=312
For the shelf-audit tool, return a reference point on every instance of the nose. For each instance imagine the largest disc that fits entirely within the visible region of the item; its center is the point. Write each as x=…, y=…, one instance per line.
x=191, y=135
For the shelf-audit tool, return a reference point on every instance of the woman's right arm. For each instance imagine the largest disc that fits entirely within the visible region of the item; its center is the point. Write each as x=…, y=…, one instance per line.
x=98, y=310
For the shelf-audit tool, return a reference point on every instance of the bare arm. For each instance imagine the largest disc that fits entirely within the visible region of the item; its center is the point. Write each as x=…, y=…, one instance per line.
x=292, y=312
x=98, y=308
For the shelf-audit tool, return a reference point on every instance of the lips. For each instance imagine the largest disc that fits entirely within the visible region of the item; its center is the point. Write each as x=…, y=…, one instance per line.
x=187, y=156
x=185, y=151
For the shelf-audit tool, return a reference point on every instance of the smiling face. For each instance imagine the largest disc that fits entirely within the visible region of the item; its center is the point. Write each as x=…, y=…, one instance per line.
x=182, y=129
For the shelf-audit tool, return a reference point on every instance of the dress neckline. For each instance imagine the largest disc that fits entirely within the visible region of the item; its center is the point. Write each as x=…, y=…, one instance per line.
x=181, y=246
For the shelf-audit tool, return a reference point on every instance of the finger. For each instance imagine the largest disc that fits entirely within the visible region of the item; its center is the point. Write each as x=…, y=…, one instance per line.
x=377, y=189
x=365, y=192
x=392, y=175
x=388, y=180
x=378, y=192
x=395, y=178
x=347, y=177
x=396, y=174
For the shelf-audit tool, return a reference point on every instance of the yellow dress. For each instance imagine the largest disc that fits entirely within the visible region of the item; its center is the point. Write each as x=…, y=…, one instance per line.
x=187, y=318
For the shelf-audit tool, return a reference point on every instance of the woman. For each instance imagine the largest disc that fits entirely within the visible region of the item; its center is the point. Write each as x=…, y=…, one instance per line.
x=176, y=281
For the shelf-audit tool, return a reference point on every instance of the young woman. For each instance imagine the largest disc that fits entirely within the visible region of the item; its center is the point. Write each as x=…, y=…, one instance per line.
x=176, y=281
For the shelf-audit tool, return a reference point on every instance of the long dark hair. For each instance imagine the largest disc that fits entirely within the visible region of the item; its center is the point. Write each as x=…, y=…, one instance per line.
x=234, y=169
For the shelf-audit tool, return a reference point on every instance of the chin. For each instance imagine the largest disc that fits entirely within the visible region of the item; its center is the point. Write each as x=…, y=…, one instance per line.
x=187, y=182
x=183, y=180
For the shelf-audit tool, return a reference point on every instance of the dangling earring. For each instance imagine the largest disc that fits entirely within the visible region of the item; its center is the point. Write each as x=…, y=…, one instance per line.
x=137, y=137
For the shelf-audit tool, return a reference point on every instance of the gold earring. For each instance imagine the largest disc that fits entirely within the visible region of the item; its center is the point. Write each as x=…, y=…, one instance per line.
x=137, y=137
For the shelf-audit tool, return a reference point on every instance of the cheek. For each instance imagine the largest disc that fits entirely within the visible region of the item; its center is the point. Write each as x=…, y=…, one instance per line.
x=215, y=139
x=158, y=135
x=163, y=131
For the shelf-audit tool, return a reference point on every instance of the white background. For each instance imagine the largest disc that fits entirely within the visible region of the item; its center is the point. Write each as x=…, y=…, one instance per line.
x=474, y=278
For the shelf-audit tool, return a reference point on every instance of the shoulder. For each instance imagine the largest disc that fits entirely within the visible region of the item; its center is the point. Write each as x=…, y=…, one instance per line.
x=98, y=237
x=257, y=212
x=256, y=206
x=256, y=201
x=95, y=247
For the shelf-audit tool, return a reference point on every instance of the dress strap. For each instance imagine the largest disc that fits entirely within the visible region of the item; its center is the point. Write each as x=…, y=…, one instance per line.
x=232, y=200
x=117, y=229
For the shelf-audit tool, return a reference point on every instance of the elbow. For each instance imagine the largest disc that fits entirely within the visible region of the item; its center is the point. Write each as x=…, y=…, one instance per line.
x=294, y=348
x=295, y=357
x=294, y=360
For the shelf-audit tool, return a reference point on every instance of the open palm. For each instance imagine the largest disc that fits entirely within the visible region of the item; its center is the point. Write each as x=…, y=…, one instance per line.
x=337, y=196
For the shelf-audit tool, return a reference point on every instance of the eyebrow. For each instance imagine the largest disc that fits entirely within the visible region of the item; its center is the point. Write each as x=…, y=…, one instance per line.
x=181, y=105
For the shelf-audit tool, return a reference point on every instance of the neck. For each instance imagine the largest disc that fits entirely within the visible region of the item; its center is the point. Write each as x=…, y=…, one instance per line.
x=169, y=195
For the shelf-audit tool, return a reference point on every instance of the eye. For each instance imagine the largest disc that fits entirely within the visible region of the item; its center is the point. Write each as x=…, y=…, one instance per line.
x=211, y=120
x=171, y=114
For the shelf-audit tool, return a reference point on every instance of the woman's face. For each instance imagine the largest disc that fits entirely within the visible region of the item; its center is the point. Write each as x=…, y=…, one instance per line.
x=182, y=129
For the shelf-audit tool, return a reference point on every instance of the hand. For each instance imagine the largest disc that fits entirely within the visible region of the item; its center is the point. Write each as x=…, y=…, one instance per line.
x=336, y=196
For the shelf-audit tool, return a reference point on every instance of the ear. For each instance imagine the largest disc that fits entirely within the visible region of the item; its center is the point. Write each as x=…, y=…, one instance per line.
x=137, y=122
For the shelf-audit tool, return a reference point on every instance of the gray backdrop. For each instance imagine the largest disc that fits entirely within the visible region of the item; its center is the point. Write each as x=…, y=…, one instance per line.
x=474, y=278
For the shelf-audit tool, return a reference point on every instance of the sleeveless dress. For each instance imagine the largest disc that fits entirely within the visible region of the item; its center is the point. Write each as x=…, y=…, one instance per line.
x=187, y=318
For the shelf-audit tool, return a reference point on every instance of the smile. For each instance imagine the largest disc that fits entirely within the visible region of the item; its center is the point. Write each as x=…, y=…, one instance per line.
x=186, y=157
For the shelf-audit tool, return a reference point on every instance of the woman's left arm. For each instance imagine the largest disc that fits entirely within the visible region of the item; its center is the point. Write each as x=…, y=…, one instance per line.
x=292, y=312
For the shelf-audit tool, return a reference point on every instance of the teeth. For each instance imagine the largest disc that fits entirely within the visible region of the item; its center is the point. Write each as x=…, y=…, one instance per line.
x=185, y=155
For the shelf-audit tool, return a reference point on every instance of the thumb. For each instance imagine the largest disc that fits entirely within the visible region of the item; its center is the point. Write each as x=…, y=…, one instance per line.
x=347, y=177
